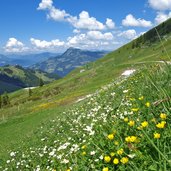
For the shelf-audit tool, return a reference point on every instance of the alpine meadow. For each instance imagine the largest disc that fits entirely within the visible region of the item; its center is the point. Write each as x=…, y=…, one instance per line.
x=98, y=100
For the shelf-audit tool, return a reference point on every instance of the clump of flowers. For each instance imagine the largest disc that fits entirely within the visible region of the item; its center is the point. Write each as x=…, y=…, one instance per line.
x=161, y=124
x=131, y=139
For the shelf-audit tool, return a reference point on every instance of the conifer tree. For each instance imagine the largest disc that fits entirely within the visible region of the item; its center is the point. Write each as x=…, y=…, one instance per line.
x=41, y=83
x=5, y=99
x=0, y=101
x=30, y=92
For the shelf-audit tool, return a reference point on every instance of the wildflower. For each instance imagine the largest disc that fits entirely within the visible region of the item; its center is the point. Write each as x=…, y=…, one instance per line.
x=141, y=98
x=107, y=159
x=132, y=99
x=12, y=154
x=139, y=127
x=101, y=157
x=125, y=119
x=116, y=143
x=112, y=154
x=144, y=124
x=131, y=123
x=147, y=104
x=83, y=153
x=83, y=147
x=156, y=135
x=131, y=156
x=110, y=136
x=120, y=152
x=68, y=170
x=153, y=120
x=163, y=116
x=92, y=153
x=131, y=139
x=115, y=161
x=135, y=109
x=105, y=169
x=161, y=124
x=124, y=160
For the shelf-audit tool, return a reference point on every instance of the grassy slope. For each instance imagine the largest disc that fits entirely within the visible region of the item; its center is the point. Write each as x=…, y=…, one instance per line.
x=65, y=91
x=85, y=128
x=25, y=77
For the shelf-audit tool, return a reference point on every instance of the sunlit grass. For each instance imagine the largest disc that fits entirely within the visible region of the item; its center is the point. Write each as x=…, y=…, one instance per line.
x=123, y=126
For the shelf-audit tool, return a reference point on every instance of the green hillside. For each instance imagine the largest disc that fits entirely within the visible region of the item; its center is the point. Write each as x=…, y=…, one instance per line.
x=16, y=77
x=54, y=105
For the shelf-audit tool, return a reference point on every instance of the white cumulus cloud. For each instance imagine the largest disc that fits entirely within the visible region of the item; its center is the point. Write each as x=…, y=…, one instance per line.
x=160, y=4
x=15, y=46
x=93, y=40
x=83, y=21
x=86, y=22
x=128, y=34
x=45, y=4
x=109, y=23
x=43, y=44
x=161, y=17
x=97, y=35
x=130, y=20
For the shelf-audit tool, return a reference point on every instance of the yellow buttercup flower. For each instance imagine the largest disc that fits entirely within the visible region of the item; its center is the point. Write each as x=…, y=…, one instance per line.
x=156, y=135
x=83, y=147
x=144, y=124
x=116, y=143
x=141, y=98
x=163, y=116
x=125, y=119
x=153, y=120
x=83, y=153
x=148, y=104
x=105, y=169
x=139, y=128
x=110, y=136
x=161, y=124
x=135, y=109
x=132, y=99
x=131, y=123
x=131, y=139
x=115, y=161
x=68, y=170
x=107, y=159
x=120, y=152
x=124, y=160
x=112, y=154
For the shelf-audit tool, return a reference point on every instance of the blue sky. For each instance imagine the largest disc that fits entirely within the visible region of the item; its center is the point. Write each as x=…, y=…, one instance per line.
x=54, y=25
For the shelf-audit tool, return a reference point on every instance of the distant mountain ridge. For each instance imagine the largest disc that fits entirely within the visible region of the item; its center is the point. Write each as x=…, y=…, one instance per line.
x=16, y=77
x=25, y=60
x=69, y=60
x=30, y=59
x=4, y=60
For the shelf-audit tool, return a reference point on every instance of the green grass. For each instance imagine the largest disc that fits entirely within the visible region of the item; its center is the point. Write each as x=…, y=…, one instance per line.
x=85, y=136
